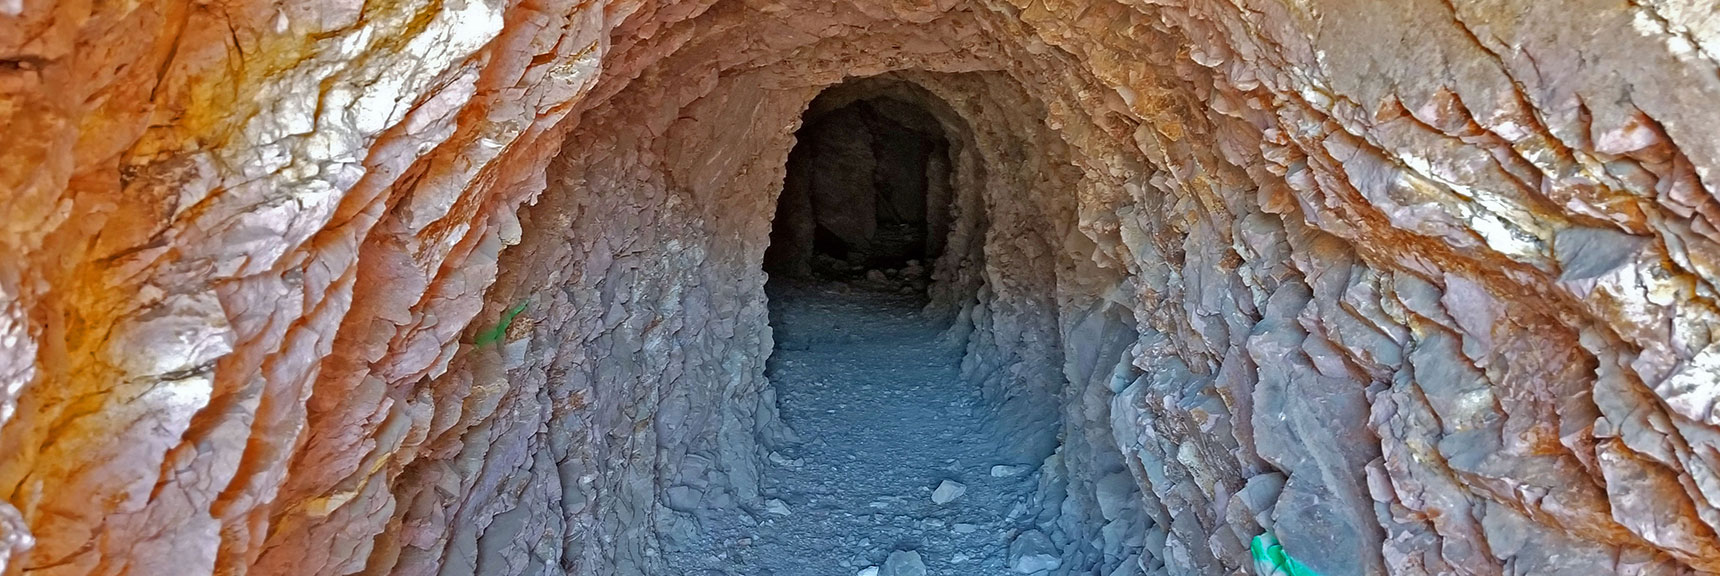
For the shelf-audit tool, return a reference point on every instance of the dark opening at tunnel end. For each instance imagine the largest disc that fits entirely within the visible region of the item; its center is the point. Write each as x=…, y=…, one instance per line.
x=866, y=198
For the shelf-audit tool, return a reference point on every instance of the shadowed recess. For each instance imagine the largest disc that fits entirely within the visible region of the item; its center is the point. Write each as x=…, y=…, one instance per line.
x=415, y=287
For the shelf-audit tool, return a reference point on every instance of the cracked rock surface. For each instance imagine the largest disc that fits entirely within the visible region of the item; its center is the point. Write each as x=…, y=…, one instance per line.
x=1426, y=287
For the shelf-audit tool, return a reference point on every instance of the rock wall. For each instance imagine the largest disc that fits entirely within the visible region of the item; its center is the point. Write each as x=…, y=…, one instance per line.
x=296, y=287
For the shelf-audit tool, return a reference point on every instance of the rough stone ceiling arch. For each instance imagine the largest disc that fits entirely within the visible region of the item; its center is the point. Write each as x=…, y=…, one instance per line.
x=247, y=245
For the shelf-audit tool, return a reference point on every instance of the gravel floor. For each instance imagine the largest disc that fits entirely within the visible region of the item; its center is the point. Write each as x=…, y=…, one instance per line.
x=884, y=420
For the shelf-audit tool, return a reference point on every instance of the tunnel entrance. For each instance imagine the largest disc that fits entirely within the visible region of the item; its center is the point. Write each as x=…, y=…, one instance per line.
x=867, y=192
x=879, y=220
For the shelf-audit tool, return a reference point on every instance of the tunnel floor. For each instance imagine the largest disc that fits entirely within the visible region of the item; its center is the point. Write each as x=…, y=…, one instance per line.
x=884, y=419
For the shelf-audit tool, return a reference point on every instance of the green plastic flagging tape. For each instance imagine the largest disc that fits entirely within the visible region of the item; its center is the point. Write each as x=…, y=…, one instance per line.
x=495, y=334
x=1270, y=559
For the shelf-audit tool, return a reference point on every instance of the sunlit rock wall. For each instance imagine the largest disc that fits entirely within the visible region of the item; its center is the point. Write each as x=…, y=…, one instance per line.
x=237, y=238
x=1420, y=287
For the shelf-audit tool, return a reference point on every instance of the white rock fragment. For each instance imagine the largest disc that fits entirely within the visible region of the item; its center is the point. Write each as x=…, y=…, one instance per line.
x=777, y=507
x=1002, y=471
x=903, y=563
x=867, y=571
x=780, y=460
x=948, y=491
x=965, y=528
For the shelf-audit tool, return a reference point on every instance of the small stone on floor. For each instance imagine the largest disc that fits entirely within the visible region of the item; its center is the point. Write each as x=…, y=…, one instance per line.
x=948, y=491
x=903, y=563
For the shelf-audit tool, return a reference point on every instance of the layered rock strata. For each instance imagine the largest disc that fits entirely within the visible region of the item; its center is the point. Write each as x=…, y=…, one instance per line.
x=1424, y=287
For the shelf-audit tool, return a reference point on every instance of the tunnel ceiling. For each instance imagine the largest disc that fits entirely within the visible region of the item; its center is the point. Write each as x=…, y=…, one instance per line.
x=419, y=287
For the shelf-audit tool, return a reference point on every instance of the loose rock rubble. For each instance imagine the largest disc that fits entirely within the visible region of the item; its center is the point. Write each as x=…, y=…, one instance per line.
x=881, y=420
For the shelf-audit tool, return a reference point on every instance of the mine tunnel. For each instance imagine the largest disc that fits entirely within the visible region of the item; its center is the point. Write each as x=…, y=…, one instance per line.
x=867, y=188
x=868, y=287
x=871, y=370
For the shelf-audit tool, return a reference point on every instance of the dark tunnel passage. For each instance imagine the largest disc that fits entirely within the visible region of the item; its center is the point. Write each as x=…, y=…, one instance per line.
x=867, y=371
x=867, y=188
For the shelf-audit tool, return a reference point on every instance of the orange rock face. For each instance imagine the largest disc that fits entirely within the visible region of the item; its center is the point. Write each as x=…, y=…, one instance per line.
x=1419, y=288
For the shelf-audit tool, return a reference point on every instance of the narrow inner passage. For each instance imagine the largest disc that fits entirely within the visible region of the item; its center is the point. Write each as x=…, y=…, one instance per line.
x=867, y=188
x=895, y=466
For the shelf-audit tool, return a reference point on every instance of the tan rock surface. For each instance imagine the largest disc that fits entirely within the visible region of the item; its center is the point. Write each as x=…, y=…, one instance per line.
x=1423, y=287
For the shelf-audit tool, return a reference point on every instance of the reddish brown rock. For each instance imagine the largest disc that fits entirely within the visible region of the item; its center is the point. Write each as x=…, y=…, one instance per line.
x=1419, y=288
